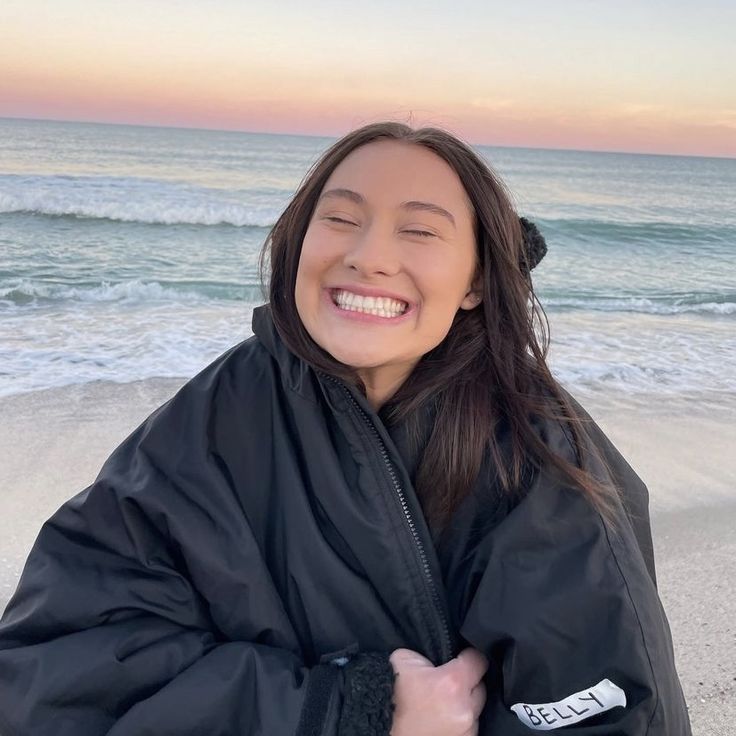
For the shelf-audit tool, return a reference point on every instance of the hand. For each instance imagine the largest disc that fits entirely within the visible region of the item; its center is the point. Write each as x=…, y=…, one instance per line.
x=438, y=701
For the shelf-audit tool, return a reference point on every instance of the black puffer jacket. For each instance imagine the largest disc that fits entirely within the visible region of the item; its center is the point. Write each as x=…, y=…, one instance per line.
x=250, y=555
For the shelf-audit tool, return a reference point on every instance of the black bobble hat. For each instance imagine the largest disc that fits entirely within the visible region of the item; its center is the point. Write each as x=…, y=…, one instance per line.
x=536, y=245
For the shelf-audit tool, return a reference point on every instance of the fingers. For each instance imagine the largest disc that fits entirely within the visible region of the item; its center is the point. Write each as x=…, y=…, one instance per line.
x=438, y=700
x=477, y=703
x=401, y=657
x=470, y=665
x=478, y=699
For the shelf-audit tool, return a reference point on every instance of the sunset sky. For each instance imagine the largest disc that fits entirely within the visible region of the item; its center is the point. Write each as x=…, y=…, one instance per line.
x=647, y=76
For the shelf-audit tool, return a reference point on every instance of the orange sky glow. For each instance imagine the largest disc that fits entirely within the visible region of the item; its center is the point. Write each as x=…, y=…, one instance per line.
x=594, y=79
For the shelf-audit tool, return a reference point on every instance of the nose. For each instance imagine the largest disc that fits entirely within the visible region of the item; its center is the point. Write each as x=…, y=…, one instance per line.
x=373, y=251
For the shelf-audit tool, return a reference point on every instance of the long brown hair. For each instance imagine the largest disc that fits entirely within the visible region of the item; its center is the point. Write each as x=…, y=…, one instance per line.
x=490, y=368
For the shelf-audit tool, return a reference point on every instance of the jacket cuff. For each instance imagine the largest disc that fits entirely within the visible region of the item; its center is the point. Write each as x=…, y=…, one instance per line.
x=368, y=707
x=321, y=685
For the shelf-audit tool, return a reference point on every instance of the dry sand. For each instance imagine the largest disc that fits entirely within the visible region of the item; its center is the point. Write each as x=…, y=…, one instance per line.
x=53, y=442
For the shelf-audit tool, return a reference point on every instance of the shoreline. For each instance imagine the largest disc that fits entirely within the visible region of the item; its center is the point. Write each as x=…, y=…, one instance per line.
x=53, y=443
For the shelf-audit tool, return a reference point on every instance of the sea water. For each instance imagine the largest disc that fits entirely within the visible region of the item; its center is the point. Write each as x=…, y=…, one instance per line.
x=131, y=252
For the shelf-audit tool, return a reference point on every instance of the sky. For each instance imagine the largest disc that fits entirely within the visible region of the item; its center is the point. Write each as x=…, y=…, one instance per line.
x=644, y=76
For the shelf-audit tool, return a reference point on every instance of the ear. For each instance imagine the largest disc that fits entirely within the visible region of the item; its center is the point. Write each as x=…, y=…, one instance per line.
x=474, y=296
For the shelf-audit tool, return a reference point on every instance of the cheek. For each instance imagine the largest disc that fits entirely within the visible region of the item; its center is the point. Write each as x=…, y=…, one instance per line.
x=300, y=287
x=307, y=257
x=303, y=290
x=313, y=263
x=448, y=280
x=317, y=253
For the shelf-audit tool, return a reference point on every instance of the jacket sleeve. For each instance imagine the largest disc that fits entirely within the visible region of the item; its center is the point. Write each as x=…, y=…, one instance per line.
x=568, y=614
x=122, y=623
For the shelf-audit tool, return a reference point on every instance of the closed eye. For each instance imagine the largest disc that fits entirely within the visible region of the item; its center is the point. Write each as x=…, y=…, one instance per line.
x=420, y=233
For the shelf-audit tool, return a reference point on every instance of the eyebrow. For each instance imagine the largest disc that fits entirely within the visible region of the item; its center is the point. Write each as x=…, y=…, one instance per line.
x=413, y=205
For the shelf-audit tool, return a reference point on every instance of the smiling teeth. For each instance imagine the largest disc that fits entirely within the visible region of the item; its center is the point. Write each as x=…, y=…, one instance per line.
x=380, y=306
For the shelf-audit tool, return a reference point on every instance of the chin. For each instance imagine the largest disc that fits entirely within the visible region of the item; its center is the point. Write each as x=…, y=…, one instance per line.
x=356, y=358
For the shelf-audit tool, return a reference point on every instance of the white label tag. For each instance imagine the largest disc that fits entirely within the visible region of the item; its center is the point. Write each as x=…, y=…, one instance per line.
x=573, y=709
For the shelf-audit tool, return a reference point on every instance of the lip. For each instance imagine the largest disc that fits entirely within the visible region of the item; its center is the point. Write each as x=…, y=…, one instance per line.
x=362, y=316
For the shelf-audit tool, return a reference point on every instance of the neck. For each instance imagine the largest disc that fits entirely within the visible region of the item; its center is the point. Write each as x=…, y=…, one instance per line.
x=382, y=383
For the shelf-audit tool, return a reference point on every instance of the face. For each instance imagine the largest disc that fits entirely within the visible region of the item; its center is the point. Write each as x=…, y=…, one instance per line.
x=388, y=258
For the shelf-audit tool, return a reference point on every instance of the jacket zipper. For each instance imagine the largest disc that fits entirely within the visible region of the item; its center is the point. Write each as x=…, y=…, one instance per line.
x=446, y=649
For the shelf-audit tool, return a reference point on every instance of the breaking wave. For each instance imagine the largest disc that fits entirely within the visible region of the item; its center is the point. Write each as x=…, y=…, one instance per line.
x=26, y=292
x=716, y=304
x=127, y=199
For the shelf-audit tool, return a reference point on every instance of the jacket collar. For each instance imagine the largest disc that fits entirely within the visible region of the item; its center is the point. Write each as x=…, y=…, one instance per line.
x=295, y=373
x=303, y=379
x=298, y=374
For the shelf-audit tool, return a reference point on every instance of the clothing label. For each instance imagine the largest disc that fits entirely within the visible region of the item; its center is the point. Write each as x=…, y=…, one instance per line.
x=574, y=708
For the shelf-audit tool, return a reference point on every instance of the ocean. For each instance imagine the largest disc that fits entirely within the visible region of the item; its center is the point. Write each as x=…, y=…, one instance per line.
x=131, y=252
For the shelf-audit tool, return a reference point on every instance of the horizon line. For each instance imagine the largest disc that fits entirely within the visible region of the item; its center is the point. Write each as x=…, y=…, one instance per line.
x=335, y=137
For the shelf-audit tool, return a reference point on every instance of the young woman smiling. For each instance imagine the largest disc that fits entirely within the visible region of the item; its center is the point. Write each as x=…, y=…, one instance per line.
x=381, y=514
x=383, y=243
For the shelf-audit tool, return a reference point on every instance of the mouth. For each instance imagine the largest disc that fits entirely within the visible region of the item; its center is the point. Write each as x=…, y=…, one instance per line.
x=378, y=306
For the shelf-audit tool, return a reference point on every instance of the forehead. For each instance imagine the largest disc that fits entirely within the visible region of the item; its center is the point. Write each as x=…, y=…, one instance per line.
x=387, y=173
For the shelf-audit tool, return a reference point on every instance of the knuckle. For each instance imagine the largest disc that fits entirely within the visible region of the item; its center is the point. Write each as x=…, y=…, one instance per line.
x=451, y=684
x=465, y=720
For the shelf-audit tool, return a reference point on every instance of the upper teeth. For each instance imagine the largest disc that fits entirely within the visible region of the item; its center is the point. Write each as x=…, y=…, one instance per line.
x=382, y=306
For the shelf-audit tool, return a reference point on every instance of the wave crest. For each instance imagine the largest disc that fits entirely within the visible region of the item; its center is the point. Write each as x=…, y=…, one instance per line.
x=611, y=232
x=26, y=292
x=642, y=304
x=126, y=199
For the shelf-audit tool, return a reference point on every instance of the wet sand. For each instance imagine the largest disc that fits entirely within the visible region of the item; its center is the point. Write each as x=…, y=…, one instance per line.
x=53, y=442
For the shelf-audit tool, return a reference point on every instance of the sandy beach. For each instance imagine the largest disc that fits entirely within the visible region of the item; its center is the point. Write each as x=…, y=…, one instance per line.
x=53, y=442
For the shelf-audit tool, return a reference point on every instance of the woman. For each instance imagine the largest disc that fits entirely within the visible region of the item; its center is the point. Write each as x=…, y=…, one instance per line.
x=380, y=514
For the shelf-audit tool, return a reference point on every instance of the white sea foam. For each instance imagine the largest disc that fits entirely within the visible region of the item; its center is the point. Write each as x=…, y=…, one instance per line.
x=671, y=305
x=611, y=355
x=127, y=199
x=646, y=354
x=24, y=291
x=110, y=341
